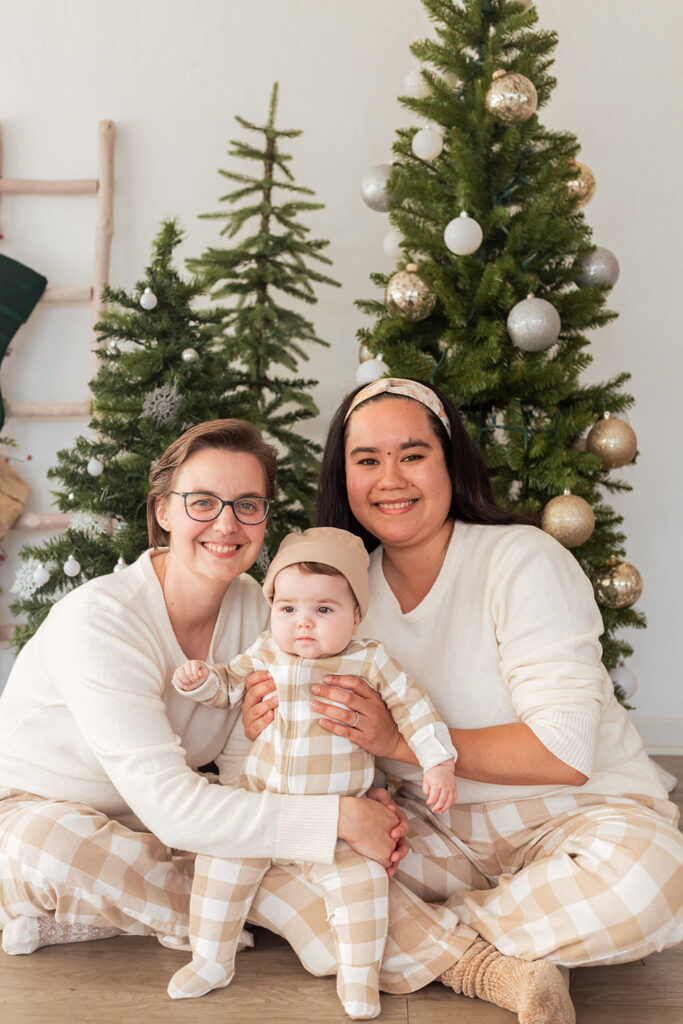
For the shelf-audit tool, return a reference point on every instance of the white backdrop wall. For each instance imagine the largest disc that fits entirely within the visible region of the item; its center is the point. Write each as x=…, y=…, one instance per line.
x=173, y=73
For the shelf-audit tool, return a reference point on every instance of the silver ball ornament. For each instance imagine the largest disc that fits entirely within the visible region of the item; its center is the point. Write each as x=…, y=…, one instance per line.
x=392, y=244
x=71, y=567
x=113, y=347
x=598, y=267
x=189, y=355
x=533, y=324
x=624, y=678
x=463, y=235
x=373, y=188
x=148, y=299
x=120, y=565
x=407, y=294
x=95, y=467
x=427, y=144
x=415, y=85
x=41, y=576
x=370, y=370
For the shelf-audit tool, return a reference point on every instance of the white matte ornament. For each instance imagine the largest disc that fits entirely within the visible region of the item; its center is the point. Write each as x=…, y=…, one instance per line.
x=624, y=678
x=427, y=144
x=189, y=355
x=120, y=565
x=599, y=267
x=463, y=235
x=41, y=576
x=373, y=188
x=415, y=85
x=71, y=566
x=95, y=467
x=148, y=299
x=370, y=370
x=392, y=244
x=533, y=324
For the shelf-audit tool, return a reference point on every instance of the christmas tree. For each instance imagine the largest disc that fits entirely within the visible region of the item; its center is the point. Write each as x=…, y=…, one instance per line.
x=272, y=255
x=498, y=283
x=161, y=370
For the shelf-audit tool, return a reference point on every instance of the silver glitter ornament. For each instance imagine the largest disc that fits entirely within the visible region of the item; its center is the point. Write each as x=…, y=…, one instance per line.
x=373, y=188
x=598, y=267
x=148, y=299
x=533, y=324
x=189, y=355
x=407, y=294
x=95, y=467
x=511, y=97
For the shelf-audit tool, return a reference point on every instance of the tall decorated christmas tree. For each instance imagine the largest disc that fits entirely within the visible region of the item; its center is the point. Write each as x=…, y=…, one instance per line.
x=272, y=257
x=161, y=370
x=498, y=283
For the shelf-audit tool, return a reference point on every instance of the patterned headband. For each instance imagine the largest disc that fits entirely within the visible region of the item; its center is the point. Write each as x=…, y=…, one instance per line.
x=406, y=388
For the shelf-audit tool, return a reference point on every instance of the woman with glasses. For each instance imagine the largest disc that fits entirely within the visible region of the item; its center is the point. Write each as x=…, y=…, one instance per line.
x=98, y=752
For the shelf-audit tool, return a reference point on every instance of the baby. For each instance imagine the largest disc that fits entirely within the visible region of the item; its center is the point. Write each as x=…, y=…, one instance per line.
x=317, y=585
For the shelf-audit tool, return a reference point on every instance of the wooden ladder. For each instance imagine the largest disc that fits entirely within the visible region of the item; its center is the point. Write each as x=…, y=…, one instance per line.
x=102, y=187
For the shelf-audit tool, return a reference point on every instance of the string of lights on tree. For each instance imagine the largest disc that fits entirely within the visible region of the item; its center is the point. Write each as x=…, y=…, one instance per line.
x=452, y=243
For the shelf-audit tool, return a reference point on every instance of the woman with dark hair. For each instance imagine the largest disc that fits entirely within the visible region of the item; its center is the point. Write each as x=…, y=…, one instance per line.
x=98, y=753
x=562, y=848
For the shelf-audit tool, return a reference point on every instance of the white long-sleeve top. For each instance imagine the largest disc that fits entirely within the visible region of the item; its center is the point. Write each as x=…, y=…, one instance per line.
x=509, y=632
x=89, y=714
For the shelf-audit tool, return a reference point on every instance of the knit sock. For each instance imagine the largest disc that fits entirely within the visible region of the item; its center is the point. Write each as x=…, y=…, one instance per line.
x=535, y=991
x=358, y=990
x=199, y=977
x=26, y=934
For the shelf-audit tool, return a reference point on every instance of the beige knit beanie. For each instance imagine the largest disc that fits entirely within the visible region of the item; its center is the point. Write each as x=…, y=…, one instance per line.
x=337, y=548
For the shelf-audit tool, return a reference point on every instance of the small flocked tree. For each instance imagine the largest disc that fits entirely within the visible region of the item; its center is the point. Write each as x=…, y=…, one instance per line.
x=486, y=202
x=272, y=258
x=161, y=370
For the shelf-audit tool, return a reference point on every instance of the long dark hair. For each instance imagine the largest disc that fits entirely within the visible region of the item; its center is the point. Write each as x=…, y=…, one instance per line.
x=472, y=498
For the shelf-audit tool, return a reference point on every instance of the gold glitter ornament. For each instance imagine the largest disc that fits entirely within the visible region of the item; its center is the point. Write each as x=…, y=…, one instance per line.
x=408, y=295
x=583, y=186
x=614, y=442
x=618, y=584
x=569, y=519
x=511, y=97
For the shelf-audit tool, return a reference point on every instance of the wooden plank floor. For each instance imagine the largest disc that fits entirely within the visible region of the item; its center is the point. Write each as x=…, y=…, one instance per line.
x=124, y=980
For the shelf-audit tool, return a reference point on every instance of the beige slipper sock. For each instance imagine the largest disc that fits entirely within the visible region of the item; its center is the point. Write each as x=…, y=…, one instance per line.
x=535, y=991
x=26, y=934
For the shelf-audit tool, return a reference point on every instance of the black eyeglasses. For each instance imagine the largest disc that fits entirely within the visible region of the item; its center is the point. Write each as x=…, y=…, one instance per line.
x=205, y=507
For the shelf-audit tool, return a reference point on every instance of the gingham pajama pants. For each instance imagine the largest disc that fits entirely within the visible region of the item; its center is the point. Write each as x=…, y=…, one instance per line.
x=573, y=878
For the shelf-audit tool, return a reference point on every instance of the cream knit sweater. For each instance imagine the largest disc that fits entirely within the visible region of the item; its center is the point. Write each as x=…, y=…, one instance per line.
x=509, y=633
x=89, y=714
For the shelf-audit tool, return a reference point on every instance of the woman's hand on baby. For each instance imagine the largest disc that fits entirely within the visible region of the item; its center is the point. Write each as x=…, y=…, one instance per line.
x=190, y=675
x=364, y=717
x=373, y=829
x=440, y=787
x=257, y=713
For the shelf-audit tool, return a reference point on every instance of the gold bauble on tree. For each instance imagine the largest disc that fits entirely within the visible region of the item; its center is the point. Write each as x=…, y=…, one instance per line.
x=618, y=584
x=614, y=442
x=583, y=186
x=408, y=295
x=569, y=519
x=364, y=353
x=511, y=97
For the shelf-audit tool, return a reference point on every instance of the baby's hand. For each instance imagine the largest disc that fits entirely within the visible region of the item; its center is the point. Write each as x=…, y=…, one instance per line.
x=190, y=675
x=439, y=786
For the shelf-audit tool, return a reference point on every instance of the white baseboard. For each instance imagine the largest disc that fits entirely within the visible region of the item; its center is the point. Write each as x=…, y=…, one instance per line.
x=661, y=735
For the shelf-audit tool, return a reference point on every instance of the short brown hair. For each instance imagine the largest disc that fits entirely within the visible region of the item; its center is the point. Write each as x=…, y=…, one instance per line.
x=231, y=436
x=323, y=569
